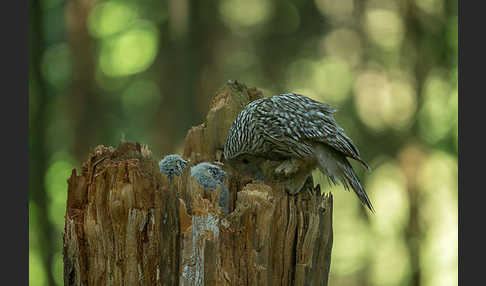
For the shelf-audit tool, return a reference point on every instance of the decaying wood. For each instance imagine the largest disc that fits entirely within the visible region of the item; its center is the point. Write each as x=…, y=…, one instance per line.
x=122, y=221
x=128, y=224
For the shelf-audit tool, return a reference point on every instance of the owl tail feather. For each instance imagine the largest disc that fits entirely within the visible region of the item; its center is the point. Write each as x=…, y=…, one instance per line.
x=335, y=165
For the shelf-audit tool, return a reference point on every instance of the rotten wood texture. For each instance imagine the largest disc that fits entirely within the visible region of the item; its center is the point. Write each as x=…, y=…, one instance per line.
x=127, y=224
x=122, y=221
x=269, y=237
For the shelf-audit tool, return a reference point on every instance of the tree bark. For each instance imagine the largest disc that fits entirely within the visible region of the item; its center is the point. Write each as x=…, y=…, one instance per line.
x=128, y=224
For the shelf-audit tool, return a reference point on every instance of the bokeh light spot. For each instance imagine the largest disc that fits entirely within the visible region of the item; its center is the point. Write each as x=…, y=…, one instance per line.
x=344, y=44
x=371, y=93
x=130, y=52
x=347, y=260
x=385, y=27
x=36, y=269
x=438, y=114
x=387, y=190
x=385, y=101
x=391, y=263
x=438, y=215
x=110, y=17
x=328, y=80
x=402, y=105
x=333, y=78
x=243, y=15
x=438, y=176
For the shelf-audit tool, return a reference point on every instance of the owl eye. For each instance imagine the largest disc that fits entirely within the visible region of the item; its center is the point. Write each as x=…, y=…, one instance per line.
x=213, y=171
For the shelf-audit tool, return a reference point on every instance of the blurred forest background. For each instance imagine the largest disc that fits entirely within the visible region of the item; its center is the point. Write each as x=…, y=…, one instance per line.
x=147, y=69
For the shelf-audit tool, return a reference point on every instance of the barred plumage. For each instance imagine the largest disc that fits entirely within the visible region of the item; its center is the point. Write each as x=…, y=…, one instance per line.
x=302, y=133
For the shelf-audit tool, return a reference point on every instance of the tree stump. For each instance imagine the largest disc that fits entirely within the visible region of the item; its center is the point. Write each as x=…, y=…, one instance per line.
x=128, y=224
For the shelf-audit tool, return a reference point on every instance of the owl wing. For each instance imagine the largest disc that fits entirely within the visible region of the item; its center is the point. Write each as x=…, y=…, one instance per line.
x=298, y=122
x=320, y=126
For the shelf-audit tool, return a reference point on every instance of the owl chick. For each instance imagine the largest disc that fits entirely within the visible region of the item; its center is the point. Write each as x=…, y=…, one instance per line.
x=298, y=133
x=211, y=176
x=172, y=165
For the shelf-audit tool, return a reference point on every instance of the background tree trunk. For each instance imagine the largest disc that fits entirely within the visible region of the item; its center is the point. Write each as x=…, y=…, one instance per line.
x=38, y=150
x=128, y=224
